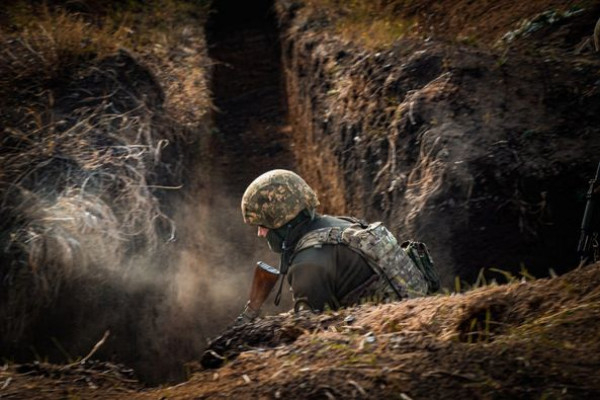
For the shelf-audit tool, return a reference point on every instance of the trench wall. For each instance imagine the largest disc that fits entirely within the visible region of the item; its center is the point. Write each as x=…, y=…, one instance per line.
x=481, y=159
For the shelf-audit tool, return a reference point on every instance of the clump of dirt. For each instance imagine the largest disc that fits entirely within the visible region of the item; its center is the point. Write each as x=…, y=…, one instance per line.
x=480, y=148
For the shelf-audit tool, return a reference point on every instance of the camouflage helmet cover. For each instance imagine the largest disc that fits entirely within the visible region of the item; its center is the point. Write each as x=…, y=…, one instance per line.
x=276, y=197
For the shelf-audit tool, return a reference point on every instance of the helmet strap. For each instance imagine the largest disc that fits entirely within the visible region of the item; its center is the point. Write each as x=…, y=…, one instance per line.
x=283, y=264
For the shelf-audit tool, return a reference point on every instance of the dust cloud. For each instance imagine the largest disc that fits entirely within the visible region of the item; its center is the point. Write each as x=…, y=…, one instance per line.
x=162, y=301
x=201, y=282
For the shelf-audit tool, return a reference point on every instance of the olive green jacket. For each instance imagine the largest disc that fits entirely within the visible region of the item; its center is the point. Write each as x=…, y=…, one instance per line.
x=331, y=275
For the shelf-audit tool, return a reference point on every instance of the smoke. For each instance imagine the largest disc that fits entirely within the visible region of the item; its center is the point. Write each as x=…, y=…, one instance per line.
x=102, y=256
x=218, y=254
x=162, y=305
x=86, y=227
x=204, y=284
x=192, y=289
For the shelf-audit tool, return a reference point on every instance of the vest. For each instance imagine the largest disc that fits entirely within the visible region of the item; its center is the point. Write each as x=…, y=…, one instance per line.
x=399, y=276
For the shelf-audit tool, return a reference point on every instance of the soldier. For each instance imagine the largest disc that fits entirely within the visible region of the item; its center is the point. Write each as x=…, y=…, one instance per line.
x=328, y=260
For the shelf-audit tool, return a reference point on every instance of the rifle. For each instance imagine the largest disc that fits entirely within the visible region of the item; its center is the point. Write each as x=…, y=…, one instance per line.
x=264, y=279
x=588, y=245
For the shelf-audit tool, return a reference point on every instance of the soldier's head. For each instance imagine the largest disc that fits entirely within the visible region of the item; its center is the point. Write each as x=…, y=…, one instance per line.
x=275, y=199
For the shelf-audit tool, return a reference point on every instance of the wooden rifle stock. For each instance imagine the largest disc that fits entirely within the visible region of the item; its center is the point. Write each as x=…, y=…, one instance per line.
x=263, y=282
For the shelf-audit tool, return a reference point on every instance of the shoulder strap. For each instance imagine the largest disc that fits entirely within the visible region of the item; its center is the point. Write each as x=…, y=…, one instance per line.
x=319, y=237
x=353, y=220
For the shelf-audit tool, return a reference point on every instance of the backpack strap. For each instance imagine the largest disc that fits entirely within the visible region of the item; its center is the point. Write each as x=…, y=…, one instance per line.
x=319, y=237
x=420, y=256
x=353, y=220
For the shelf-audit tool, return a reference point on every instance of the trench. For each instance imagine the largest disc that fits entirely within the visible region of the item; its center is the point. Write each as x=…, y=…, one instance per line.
x=248, y=93
x=251, y=135
x=201, y=282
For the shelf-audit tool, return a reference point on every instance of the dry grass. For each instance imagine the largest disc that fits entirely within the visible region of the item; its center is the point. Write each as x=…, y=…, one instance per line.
x=425, y=179
x=373, y=24
x=516, y=311
x=57, y=37
x=376, y=24
x=42, y=41
x=414, y=347
x=84, y=129
x=378, y=351
x=75, y=201
x=373, y=31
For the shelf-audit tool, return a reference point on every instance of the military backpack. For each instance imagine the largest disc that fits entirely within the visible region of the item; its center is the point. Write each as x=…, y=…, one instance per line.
x=405, y=270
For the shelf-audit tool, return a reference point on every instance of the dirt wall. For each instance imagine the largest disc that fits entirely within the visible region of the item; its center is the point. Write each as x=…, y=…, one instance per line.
x=482, y=153
x=101, y=168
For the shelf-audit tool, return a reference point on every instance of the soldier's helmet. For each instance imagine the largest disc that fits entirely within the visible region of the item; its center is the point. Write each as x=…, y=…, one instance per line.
x=276, y=197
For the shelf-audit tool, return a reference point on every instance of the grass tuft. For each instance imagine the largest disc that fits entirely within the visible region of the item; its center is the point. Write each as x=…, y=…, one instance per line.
x=372, y=24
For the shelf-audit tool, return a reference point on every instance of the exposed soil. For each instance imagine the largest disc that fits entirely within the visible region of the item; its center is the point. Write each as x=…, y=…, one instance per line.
x=481, y=150
x=92, y=156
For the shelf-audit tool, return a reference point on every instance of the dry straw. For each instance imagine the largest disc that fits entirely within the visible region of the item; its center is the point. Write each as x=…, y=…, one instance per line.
x=83, y=134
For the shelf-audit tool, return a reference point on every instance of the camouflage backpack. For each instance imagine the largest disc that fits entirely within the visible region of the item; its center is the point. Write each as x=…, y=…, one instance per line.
x=406, y=271
x=417, y=251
